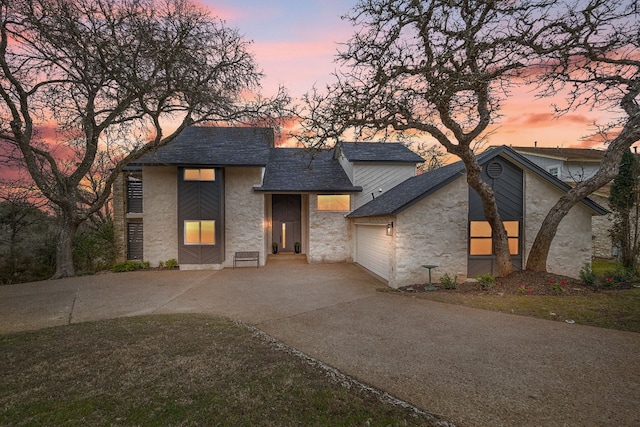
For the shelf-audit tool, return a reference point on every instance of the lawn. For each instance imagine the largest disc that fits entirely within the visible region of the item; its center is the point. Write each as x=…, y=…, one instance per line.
x=179, y=370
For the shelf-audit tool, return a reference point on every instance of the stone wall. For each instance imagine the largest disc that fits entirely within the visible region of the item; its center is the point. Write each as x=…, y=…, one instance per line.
x=244, y=213
x=572, y=247
x=329, y=235
x=160, y=217
x=433, y=231
x=118, y=193
x=600, y=225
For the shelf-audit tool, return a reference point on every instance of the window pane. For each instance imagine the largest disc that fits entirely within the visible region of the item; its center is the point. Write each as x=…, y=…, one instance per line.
x=480, y=229
x=513, y=246
x=333, y=202
x=207, y=175
x=208, y=232
x=512, y=228
x=191, y=174
x=480, y=246
x=192, y=232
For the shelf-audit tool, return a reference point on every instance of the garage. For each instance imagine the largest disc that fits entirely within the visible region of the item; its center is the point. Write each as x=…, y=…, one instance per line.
x=372, y=248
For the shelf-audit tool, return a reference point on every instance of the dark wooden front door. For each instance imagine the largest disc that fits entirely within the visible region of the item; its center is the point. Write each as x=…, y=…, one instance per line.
x=286, y=218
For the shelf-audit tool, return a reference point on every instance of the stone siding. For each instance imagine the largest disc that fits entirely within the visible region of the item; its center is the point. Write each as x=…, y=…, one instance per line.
x=160, y=217
x=119, y=201
x=244, y=214
x=329, y=235
x=601, y=226
x=572, y=246
x=433, y=231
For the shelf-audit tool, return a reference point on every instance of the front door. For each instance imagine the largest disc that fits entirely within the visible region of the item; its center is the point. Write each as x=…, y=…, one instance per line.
x=286, y=218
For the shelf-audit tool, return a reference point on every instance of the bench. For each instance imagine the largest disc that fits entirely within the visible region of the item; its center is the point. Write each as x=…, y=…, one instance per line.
x=247, y=256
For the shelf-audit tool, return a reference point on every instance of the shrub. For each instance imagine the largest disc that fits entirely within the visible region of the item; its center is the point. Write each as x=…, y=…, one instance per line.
x=557, y=287
x=588, y=277
x=127, y=266
x=171, y=263
x=447, y=282
x=620, y=276
x=486, y=280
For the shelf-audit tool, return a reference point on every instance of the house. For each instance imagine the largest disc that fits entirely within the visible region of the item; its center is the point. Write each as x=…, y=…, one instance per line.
x=215, y=191
x=572, y=165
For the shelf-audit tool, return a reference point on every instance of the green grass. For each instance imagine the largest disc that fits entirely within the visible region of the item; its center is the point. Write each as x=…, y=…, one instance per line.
x=618, y=309
x=602, y=266
x=180, y=370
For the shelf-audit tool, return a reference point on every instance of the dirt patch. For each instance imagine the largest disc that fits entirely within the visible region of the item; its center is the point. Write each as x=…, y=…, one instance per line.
x=517, y=283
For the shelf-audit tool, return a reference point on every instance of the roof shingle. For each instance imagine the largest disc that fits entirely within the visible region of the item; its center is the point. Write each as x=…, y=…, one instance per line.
x=387, y=152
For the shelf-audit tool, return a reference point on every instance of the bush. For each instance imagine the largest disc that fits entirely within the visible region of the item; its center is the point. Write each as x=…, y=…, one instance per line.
x=619, y=277
x=128, y=266
x=588, y=277
x=171, y=263
x=447, y=282
x=486, y=281
x=94, y=247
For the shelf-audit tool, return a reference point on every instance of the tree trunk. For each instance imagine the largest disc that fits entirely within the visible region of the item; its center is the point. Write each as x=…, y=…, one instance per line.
x=64, y=246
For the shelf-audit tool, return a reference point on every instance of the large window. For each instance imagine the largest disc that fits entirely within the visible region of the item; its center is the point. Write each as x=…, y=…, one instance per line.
x=481, y=237
x=199, y=232
x=334, y=202
x=199, y=174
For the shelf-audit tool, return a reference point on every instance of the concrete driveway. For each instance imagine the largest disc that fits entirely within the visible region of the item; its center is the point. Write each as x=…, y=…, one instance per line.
x=472, y=367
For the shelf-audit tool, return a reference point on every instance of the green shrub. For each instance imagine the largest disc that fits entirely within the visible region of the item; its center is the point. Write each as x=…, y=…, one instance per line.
x=618, y=277
x=127, y=266
x=447, y=282
x=588, y=277
x=171, y=263
x=486, y=281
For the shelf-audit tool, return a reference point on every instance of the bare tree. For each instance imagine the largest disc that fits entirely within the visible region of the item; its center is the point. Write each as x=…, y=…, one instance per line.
x=592, y=49
x=438, y=67
x=91, y=84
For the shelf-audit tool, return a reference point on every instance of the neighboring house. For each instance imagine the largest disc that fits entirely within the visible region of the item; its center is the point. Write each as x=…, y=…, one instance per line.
x=573, y=165
x=216, y=191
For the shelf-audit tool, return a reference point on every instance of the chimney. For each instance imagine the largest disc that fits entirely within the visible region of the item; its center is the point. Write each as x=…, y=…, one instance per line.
x=535, y=144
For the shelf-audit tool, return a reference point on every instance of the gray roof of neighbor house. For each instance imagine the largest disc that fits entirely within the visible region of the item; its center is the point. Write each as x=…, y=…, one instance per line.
x=214, y=146
x=564, y=154
x=417, y=188
x=300, y=170
x=386, y=152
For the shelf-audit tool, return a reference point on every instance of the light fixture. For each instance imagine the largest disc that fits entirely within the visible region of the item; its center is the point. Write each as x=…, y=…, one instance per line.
x=390, y=229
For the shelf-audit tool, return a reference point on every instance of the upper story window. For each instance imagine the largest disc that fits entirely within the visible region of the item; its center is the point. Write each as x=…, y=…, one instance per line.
x=191, y=174
x=334, y=202
x=199, y=232
x=134, y=195
x=554, y=170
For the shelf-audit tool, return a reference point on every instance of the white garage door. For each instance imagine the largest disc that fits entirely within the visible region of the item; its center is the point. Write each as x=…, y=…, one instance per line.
x=372, y=249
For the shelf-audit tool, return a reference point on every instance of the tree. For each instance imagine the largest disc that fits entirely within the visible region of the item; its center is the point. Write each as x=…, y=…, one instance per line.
x=94, y=84
x=438, y=67
x=592, y=49
x=623, y=200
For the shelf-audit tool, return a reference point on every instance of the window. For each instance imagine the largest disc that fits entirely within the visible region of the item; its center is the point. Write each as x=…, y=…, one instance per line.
x=481, y=237
x=199, y=175
x=199, y=232
x=553, y=170
x=134, y=195
x=334, y=202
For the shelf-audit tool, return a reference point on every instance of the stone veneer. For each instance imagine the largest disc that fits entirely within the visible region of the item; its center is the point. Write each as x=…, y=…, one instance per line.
x=572, y=246
x=119, y=216
x=601, y=226
x=244, y=214
x=329, y=235
x=160, y=218
x=433, y=231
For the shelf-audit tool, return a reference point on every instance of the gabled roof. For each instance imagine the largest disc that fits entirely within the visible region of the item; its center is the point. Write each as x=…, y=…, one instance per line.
x=301, y=170
x=214, y=146
x=385, y=152
x=417, y=188
x=587, y=155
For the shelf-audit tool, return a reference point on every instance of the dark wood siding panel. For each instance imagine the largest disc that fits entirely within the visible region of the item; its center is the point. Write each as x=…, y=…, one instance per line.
x=201, y=200
x=134, y=241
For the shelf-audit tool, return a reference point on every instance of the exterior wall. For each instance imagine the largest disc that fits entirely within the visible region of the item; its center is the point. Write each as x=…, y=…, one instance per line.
x=244, y=213
x=373, y=177
x=572, y=247
x=600, y=226
x=329, y=235
x=160, y=196
x=433, y=231
x=119, y=220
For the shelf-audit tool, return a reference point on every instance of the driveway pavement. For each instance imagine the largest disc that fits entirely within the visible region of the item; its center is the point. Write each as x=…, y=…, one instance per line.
x=472, y=367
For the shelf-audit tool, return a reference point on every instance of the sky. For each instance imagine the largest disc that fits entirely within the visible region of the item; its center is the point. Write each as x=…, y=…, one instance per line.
x=295, y=43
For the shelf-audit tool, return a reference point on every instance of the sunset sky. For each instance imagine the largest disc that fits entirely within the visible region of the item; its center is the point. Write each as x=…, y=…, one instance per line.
x=295, y=45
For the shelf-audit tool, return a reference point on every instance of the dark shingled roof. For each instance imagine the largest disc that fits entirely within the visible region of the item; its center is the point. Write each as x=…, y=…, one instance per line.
x=409, y=192
x=379, y=152
x=299, y=170
x=415, y=189
x=214, y=146
x=566, y=154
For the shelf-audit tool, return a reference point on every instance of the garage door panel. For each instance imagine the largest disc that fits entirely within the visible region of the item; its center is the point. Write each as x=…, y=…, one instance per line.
x=372, y=249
